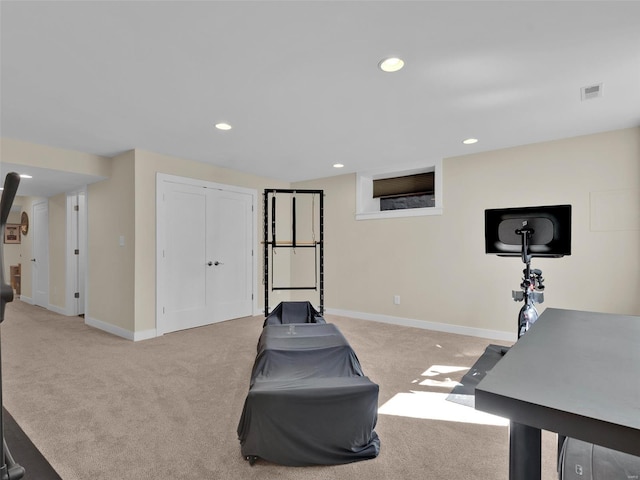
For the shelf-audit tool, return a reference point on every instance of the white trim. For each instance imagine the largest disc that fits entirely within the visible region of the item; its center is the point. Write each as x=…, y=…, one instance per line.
x=70, y=273
x=25, y=299
x=145, y=335
x=59, y=310
x=368, y=208
x=37, y=230
x=165, y=177
x=70, y=283
x=107, y=327
x=408, y=212
x=119, y=331
x=439, y=327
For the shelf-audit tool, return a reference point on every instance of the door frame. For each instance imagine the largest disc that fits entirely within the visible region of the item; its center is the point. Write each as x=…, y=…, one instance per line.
x=42, y=232
x=162, y=179
x=76, y=238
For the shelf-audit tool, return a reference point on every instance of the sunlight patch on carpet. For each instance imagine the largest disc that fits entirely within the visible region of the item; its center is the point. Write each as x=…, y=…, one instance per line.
x=439, y=370
x=435, y=406
x=435, y=370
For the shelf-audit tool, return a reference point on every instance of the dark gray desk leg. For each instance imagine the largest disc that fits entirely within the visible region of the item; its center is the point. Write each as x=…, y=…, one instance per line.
x=525, y=448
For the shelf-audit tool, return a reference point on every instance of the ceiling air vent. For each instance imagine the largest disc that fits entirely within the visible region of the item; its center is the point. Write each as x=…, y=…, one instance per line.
x=591, y=91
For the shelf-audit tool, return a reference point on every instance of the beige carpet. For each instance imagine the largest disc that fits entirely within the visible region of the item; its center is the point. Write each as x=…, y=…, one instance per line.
x=101, y=407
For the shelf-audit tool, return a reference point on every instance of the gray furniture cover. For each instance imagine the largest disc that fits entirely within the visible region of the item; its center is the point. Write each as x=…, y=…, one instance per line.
x=309, y=402
x=293, y=312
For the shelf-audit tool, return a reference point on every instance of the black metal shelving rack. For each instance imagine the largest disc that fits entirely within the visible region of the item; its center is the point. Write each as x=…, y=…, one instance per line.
x=271, y=243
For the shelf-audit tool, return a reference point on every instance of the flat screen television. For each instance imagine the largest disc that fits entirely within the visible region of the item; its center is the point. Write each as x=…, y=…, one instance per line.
x=551, y=227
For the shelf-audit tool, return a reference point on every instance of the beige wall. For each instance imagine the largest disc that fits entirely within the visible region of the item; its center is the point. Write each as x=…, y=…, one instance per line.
x=121, y=280
x=437, y=264
x=300, y=261
x=147, y=165
x=110, y=267
x=41, y=156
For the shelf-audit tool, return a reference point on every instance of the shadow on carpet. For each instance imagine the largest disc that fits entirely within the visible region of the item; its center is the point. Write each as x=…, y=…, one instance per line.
x=464, y=393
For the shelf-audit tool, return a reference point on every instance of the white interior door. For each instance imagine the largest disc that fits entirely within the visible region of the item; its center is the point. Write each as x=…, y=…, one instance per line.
x=40, y=258
x=205, y=263
x=185, y=256
x=230, y=243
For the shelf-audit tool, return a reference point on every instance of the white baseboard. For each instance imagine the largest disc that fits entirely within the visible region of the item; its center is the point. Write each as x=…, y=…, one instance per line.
x=439, y=327
x=145, y=335
x=107, y=327
x=53, y=308
x=26, y=299
x=119, y=331
x=58, y=310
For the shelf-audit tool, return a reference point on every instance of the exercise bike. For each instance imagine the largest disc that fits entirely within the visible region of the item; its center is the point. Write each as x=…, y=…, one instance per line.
x=532, y=284
x=527, y=232
x=9, y=469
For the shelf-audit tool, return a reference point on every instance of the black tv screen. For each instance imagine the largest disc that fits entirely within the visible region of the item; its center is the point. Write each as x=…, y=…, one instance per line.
x=551, y=226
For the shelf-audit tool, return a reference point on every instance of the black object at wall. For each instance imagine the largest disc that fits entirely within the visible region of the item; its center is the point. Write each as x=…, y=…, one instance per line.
x=9, y=469
x=550, y=231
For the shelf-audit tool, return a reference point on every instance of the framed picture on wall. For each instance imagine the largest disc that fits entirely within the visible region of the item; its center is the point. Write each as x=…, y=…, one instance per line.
x=12, y=233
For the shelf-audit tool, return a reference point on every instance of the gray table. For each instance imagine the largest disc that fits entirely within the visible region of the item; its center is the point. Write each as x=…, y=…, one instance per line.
x=574, y=373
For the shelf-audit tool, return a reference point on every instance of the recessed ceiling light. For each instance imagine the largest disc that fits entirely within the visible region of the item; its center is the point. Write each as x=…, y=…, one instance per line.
x=470, y=141
x=223, y=126
x=338, y=165
x=391, y=64
x=24, y=175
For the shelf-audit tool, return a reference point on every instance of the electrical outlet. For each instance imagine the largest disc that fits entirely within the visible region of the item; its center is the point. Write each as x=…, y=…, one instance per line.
x=396, y=299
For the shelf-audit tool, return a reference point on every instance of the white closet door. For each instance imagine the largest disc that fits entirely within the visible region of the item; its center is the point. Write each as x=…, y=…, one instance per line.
x=230, y=233
x=205, y=270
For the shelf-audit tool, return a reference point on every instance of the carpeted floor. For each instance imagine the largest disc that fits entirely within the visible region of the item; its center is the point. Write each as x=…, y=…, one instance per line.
x=101, y=407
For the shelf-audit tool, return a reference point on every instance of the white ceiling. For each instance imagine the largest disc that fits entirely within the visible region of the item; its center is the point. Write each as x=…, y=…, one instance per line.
x=46, y=182
x=299, y=82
